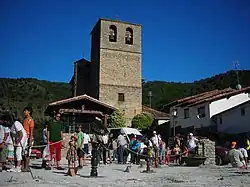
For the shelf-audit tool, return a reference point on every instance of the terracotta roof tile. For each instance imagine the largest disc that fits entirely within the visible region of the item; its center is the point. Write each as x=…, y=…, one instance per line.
x=154, y=112
x=221, y=95
x=207, y=97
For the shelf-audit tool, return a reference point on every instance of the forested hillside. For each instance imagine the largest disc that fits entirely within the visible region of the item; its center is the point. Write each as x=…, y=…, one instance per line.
x=17, y=93
x=166, y=92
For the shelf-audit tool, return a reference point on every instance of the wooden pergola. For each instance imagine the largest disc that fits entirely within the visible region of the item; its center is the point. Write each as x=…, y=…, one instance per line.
x=82, y=105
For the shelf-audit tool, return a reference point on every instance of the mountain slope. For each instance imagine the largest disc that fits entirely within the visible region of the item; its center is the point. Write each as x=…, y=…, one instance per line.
x=165, y=92
x=15, y=94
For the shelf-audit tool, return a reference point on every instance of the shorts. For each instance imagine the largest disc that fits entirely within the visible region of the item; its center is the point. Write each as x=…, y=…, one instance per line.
x=80, y=153
x=110, y=153
x=19, y=151
x=86, y=149
x=3, y=154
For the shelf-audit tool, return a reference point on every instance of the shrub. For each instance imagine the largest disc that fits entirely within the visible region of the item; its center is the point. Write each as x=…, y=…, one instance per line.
x=142, y=121
x=116, y=119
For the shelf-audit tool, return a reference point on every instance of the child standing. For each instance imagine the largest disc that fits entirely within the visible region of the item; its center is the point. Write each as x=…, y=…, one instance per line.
x=72, y=153
x=80, y=145
x=168, y=156
x=162, y=151
x=177, y=151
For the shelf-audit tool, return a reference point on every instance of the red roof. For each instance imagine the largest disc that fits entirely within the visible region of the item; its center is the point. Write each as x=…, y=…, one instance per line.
x=82, y=97
x=207, y=97
x=155, y=113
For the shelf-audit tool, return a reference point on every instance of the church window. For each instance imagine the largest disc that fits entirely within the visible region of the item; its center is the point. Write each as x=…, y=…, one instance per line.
x=129, y=36
x=112, y=33
x=121, y=97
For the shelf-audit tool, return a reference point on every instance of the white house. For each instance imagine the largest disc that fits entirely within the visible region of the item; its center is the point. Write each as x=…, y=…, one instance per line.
x=234, y=120
x=202, y=110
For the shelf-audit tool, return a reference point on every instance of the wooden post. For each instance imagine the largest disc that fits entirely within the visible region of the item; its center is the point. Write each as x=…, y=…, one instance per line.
x=94, y=160
x=148, y=159
x=156, y=158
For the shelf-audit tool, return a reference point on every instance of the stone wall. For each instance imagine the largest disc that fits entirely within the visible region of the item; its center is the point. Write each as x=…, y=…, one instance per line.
x=116, y=67
x=120, y=68
x=121, y=32
x=132, y=99
x=207, y=149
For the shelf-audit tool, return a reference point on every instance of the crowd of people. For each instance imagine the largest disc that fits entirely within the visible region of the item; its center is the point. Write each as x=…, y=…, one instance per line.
x=132, y=148
x=16, y=141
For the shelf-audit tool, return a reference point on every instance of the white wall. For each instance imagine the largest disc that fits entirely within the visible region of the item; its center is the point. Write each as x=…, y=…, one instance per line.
x=192, y=120
x=233, y=122
x=221, y=105
x=161, y=121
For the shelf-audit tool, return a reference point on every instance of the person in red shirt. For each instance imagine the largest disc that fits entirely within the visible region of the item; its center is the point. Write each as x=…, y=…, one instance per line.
x=28, y=125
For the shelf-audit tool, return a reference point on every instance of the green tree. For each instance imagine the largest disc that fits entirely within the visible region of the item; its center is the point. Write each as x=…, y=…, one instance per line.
x=142, y=121
x=116, y=119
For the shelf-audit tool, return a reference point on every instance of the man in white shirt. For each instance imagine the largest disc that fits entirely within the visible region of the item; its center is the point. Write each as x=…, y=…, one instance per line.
x=86, y=140
x=104, y=148
x=121, y=142
x=156, y=139
x=192, y=143
x=20, y=141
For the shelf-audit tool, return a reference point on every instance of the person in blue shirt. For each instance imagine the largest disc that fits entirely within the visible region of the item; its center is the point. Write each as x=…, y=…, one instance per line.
x=135, y=147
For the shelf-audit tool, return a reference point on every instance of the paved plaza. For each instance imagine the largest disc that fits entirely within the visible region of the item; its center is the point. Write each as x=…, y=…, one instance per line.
x=113, y=175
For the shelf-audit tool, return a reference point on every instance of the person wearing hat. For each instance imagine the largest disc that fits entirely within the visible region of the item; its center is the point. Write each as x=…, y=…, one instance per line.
x=192, y=143
x=236, y=157
x=156, y=139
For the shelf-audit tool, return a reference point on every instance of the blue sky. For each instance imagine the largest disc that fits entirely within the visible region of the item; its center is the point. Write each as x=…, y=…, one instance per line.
x=183, y=40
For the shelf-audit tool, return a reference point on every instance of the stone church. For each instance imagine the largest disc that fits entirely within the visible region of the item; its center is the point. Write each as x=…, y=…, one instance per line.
x=113, y=74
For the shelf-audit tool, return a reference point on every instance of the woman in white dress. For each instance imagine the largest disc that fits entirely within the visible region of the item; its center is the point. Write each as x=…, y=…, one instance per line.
x=19, y=137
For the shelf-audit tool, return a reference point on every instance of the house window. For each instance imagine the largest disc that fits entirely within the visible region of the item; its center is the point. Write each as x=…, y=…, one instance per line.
x=121, y=97
x=201, y=112
x=220, y=119
x=242, y=111
x=186, y=113
x=112, y=33
x=129, y=36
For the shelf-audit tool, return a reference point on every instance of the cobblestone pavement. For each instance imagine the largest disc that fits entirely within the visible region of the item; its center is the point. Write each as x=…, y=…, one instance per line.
x=113, y=175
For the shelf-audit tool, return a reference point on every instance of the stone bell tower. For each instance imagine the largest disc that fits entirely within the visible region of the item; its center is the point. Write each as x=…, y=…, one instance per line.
x=116, y=65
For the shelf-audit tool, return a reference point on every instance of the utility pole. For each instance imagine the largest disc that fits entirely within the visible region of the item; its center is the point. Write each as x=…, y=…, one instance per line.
x=150, y=98
x=236, y=65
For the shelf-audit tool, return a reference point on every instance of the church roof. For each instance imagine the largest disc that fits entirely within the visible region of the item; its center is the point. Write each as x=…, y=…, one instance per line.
x=78, y=101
